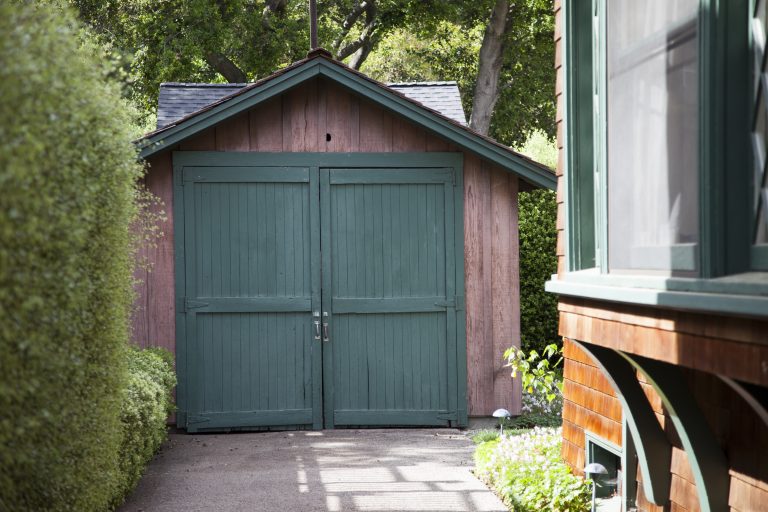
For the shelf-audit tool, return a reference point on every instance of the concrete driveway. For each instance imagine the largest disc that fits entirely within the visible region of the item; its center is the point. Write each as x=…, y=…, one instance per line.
x=333, y=470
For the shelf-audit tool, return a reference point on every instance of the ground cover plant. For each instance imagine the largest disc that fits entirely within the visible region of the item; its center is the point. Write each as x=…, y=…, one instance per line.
x=527, y=473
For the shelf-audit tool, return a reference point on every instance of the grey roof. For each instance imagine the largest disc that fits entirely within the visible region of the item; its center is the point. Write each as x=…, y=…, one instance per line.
x=177, y=100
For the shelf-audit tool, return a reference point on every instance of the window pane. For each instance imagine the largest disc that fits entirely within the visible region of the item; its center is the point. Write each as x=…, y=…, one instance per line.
x=652, y=141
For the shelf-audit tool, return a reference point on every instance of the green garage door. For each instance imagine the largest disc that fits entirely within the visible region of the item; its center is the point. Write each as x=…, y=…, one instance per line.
x=317, y=296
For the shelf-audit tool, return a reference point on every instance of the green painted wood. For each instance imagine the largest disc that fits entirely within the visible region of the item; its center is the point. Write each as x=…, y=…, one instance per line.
x=653, y=448
x=461, y=136
x=248, y=298
x=750, y=305
x=230, y=420
x=394, y=417
x=391, y=286
x=255, y=269
x=374, y=176
x=247, y=304
x=435, y=160
x=578, y=140
x=219, y=174
x=389, y=304
x=709, y=464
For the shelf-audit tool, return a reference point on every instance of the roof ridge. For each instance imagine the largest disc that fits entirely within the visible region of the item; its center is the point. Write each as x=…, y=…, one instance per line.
x=431, y=82
x=203, y=84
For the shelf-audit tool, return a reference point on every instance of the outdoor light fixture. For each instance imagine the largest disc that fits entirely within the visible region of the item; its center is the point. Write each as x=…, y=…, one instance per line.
x=502, y=414
x=595, y=468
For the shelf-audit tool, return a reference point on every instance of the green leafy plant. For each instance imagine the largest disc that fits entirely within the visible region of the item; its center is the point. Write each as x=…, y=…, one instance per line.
x=536, y=370
x=526, y=471
x=146, y=403
x=67, y=176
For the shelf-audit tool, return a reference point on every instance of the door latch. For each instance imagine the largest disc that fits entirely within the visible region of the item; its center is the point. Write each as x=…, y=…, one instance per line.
x=326, y=337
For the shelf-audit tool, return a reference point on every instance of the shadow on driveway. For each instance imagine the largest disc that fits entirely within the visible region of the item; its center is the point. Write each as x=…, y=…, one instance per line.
x=332, y=470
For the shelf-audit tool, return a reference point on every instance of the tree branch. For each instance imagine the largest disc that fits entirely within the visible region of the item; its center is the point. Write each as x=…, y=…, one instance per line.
x=363, y=45
x=349, y=22
x=489, y=68
x=272, y=7
x=225, y=67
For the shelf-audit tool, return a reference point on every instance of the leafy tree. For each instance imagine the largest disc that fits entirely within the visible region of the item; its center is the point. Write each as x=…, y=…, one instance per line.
x=508, y=93
x=500, y=51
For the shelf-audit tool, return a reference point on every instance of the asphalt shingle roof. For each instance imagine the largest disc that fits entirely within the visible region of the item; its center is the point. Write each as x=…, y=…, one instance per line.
x=178, y=100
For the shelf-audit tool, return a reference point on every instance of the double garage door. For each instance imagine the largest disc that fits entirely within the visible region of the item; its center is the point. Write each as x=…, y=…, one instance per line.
x=319, y=290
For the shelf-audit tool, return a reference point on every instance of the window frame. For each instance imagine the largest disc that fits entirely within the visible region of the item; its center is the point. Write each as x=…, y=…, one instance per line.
x=726, y=255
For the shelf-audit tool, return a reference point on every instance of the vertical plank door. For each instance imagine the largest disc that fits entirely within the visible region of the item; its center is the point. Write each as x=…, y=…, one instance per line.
x=389, y=291
x=250, y=358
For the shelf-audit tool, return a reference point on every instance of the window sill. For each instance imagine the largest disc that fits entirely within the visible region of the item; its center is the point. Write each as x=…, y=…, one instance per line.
x=739, y=294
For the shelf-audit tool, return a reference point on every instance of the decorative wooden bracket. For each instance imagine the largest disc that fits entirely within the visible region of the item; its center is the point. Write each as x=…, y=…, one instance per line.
x=708, y=462
x=755, y=396
x=653, y=449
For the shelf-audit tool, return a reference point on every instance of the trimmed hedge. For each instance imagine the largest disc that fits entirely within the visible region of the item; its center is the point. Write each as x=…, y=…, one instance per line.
x=147, y=402
x=67, y=174
x=538, y=261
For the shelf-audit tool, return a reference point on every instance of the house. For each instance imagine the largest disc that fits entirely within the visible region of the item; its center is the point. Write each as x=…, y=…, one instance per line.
x=338, y=252
x=663, y=249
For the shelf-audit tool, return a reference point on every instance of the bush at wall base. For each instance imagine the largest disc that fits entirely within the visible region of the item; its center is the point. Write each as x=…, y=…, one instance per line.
x=527, y=473
x=147, y=401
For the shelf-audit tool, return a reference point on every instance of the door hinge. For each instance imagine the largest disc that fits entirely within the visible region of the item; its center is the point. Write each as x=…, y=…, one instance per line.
x=447, y=416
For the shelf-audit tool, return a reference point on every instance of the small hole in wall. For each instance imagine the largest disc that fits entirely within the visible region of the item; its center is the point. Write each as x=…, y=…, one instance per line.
x=328, y=137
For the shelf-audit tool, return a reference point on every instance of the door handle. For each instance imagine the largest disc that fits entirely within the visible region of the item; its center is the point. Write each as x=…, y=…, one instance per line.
x=326, y=336
x=316, y=315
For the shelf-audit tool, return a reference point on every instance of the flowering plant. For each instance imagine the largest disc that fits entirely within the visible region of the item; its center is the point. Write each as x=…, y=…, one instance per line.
x=527, y=472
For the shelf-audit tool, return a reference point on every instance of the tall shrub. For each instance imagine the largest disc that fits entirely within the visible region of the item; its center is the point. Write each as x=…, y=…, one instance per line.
x=67, y=170
x=538, y=259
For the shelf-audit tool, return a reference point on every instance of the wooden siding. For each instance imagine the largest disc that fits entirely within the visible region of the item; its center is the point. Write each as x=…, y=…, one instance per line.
x=302, y=120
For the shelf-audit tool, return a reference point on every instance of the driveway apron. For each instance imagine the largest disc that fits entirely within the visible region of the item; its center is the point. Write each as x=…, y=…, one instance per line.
x=333, y=471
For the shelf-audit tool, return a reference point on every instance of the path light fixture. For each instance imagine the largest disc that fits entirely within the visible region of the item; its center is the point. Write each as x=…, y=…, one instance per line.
x=594, y=468
x=502, y=414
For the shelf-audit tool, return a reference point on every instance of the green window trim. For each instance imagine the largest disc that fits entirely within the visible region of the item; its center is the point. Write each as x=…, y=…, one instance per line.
x=726, y=255
x=744, y=295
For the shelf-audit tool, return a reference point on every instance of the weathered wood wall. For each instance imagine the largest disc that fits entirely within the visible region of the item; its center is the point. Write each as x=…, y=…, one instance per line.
x=704, y=345
x=303, y=120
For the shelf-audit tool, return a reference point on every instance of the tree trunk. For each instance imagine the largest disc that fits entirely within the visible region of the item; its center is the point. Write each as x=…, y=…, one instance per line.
x=489, y=68
x=226, y=68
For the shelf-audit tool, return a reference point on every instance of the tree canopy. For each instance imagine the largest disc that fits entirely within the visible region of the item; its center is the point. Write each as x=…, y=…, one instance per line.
x=243, y=40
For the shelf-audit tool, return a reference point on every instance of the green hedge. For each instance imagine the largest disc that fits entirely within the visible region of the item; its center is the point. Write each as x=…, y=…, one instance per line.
x=67, y=170
x=147, y=402
x=538, y=261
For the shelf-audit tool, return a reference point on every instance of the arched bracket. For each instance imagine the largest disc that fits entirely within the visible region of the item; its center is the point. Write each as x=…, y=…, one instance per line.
x=654, y=452
x=708, y=463
x=755, y=396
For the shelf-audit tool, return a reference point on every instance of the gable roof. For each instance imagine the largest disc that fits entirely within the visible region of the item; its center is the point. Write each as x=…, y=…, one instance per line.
x=320, y=63
x=177, y=100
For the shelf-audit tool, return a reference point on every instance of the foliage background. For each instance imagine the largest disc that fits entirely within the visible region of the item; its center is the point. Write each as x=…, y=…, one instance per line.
x=67, y=170
x=538, y=259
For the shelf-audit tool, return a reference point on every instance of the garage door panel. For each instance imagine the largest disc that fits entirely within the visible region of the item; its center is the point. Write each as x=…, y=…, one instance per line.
x=392, y=291
x=253, y=362
x=390, y=362
x=251, y=239
x=388, y=240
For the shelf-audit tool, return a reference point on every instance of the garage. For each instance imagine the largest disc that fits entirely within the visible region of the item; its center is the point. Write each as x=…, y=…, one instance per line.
x=317, y=269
